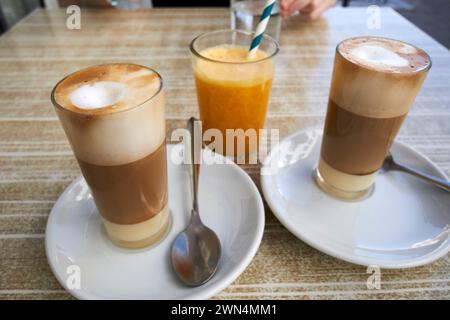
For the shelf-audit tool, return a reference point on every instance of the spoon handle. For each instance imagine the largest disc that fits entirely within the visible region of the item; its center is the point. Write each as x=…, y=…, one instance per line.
x=196, y=151
x=441, y=183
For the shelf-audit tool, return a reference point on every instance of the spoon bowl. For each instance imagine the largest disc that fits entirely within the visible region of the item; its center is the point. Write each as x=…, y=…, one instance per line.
x=195, y=254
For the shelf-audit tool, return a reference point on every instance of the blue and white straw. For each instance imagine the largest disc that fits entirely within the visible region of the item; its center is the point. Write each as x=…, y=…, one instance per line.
x=262, y=24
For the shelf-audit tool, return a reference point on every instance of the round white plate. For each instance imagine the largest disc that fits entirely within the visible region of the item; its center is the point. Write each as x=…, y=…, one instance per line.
x=404, y=223
x=77, y=245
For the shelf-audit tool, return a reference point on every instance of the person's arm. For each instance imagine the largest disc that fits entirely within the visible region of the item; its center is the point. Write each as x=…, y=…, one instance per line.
x=312, y=9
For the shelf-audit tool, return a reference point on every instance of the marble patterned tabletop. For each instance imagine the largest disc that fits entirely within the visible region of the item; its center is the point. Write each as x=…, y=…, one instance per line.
x=36, y=162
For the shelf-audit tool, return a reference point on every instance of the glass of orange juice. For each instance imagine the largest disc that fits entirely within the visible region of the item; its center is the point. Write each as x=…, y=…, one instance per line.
x=233, y=89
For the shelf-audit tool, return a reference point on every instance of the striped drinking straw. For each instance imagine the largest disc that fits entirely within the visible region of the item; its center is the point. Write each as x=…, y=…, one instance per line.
x=262, y=24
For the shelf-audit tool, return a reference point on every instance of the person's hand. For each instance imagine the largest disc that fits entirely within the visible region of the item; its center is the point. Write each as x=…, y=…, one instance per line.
x=312, y=9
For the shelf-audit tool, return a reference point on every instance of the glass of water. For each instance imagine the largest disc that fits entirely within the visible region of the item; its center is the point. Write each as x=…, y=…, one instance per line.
x=245, y=15
x=131, y=4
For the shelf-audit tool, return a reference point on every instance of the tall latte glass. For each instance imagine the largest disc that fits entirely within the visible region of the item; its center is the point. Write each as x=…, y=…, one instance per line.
x=375, y=81
x=113, y=116
x=232, y=89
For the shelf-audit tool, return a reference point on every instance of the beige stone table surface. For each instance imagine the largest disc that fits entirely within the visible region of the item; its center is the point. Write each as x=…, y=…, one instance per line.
x=36, y=162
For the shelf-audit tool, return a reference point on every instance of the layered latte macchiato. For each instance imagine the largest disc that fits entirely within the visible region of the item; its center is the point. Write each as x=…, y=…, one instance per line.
x=375, y=81
x=113, y=116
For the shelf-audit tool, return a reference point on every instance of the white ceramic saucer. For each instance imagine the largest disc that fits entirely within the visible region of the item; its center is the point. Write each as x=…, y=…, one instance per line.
x=230, y=204
x=404, y=223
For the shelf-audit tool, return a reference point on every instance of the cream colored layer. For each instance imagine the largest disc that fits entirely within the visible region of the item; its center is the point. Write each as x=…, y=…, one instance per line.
x=121, y=133
x=344, y=181
x=230, y=70
x=372, y=93
x=117, y=138
x=127, y=234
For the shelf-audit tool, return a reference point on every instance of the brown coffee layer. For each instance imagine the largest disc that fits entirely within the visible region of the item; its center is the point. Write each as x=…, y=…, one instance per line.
x=356, y=144
x=129, y=193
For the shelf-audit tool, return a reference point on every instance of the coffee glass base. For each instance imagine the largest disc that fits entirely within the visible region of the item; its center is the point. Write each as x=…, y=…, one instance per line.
x=339, y=193
x=140, y=235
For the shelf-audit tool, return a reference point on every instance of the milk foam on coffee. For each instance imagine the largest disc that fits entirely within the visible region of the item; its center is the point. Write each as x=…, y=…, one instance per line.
x=98, y=94
x=383, y=65
x=377, y=56
x=382, y=54
x=100, y=132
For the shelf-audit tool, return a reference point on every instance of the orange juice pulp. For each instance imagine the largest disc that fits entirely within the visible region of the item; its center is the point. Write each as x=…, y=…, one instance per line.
x=233, y=93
